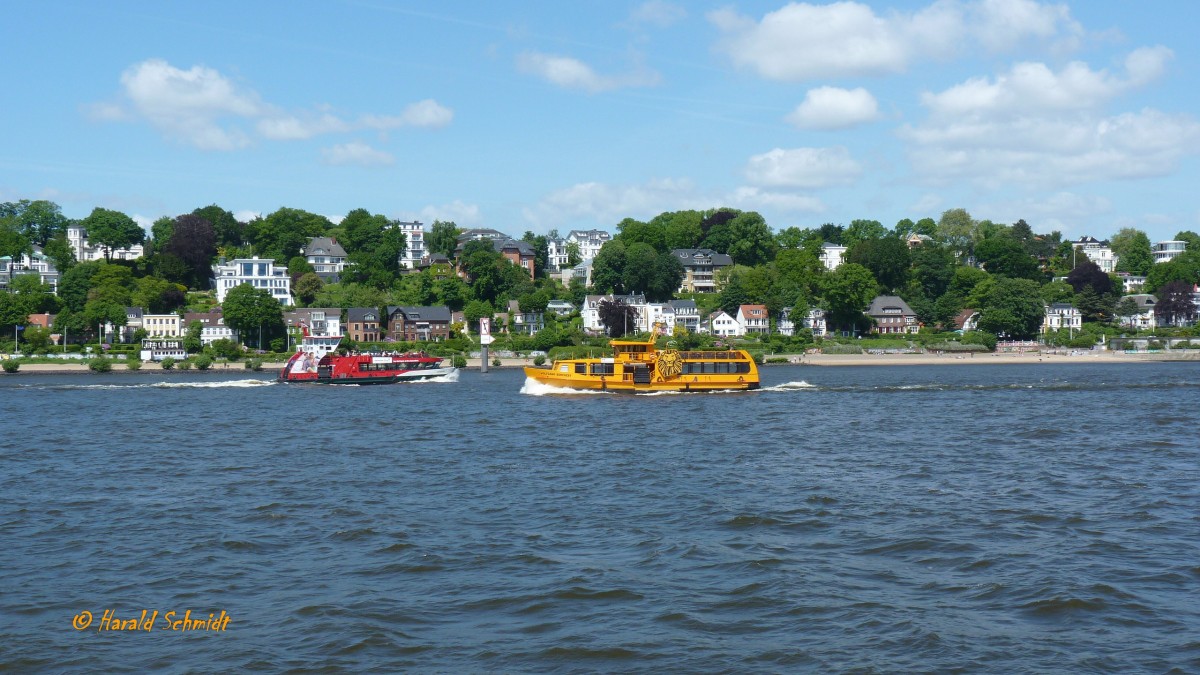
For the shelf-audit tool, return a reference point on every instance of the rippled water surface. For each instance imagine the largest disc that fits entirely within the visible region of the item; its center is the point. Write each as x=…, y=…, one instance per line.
x=881, y=519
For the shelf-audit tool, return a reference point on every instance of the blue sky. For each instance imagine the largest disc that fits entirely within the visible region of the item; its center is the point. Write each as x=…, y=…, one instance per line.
x=1079, y=117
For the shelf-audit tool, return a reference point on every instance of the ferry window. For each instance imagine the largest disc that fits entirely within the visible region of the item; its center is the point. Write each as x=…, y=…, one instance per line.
x=602, y=369
x=708, y=367
x=581, y=368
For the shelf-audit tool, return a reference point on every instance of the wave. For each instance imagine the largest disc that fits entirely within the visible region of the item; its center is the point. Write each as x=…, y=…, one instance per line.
x=224, y=384
x=791, y=386
x=534, y=388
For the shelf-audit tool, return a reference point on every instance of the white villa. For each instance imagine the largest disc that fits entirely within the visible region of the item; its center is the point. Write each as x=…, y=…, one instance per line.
x=327, y=258
x=84, y=251
x=1061, y=315
x=1166, y=251
x=414, y=237
x=258, y=272
x=1098, y=252
x=831, y=255
x=723, y=325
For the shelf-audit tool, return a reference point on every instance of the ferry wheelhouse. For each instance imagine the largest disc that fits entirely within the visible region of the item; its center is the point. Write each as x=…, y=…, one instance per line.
x=318, y=361
x=638, y=366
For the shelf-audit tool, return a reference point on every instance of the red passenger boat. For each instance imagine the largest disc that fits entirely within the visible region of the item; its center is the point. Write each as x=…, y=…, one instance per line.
x=319, y=362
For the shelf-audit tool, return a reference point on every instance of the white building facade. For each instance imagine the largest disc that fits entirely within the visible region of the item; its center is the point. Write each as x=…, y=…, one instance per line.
x=260, y=273
x=84, y=251
x=414, y=238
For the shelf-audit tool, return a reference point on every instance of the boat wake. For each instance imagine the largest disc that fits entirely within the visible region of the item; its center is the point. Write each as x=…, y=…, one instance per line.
x=440, y=379
x=790, y=386
x=534, y=388
x=227, y=384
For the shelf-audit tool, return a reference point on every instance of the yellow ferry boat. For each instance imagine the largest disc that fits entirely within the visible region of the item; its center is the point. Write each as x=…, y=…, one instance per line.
x=637, y=366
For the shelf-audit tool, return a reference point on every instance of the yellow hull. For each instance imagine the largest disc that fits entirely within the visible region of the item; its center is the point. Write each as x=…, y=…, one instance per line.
x=682, y=383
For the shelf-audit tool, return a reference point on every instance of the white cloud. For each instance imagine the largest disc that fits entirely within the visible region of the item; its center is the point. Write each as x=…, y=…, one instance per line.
x=830, y=108
x=1038, y=127
x=427, y=114
x=458, y=212
x=188, y=104
x=357, y=154
x=569, y=73
x=203, y=108
x=1069, y=212
x=806, y=168
x=1033, y=87
x=657, y=13
x=754, y=199
x=246, y=215
x=801, y=41
x=604, y=203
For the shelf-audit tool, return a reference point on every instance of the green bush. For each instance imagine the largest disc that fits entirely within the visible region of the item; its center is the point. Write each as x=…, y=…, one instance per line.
x=203, y=362
x=185, y=365
x=539, y=360
x=841, y=349
x=496, y=361
x=459, y=361
x=133, y=364
x=11, y=365
x=100, y=364
x=254, y=364
x=168, y=363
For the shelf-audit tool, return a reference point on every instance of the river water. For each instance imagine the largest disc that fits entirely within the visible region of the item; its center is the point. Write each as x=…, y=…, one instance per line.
x=971, y=518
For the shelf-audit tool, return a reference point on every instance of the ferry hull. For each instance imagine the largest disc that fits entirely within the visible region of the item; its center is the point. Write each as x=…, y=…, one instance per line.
x=683, y=383
x=390, y=378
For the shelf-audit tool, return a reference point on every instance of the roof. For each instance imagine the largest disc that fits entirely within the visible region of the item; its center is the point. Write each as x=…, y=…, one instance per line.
x=683, y=304
x=437, y=314
x=1144, y=300
x=324, y=246
x=522, y=247
x=359, y=314
x=687, y=254
x=753, y=311
x=889, y=304
x=481, y=233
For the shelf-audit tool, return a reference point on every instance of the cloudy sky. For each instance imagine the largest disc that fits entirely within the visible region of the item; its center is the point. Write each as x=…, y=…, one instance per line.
x=1079, y=116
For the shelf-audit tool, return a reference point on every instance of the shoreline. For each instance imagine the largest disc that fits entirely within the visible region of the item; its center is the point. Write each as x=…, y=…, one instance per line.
x=819, y=360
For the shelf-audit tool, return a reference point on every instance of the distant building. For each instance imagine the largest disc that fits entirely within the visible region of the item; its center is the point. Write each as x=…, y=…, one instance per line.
x=414, y=237
x=327, y=258
x=1098, y=252
x=723, y=325
x=687, y=315
x=589, y=242
x=591, y=312
x=212, y=326
x=363, y=324
x=754, y=319
x=316, y=321
x=1144, y=319
x=524, y=323
x=163, y=325
x=1061, y=315
x=520, y=253
x=831, y=255
x=814, y=321
x=418, y=323
x=37, y=263
x=700, y=266
x=892, y=315
x=560, y=307
x=258, y=272
x=85, y=251
x=1166, y=251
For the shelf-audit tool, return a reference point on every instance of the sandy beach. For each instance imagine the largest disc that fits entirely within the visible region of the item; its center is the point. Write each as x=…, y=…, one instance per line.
x=1026, y=358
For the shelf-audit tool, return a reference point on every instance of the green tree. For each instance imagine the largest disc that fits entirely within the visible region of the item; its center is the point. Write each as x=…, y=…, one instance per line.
x=630, y=232
x=863, y=230
x=751, y=241
x=1007, y=257
x=38, y=297
x=848, y=291
x=681, y=229
x=1010, y=307
x=112, y=230
x=157, y=295
x=192, y=341
x=608, y=268
x=887, y=258
x=1175, y=306
x=13, y=242
x=639, y=267
x=228, y=231
x=38, y=221
x=374, y=246
x=161, y=230
x=442, y=238
x=1133, y=250
x=285, y=232
x=476, y=310
x=59, y=251
x=308, y=287
x=955, y=228
x=252, y=312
